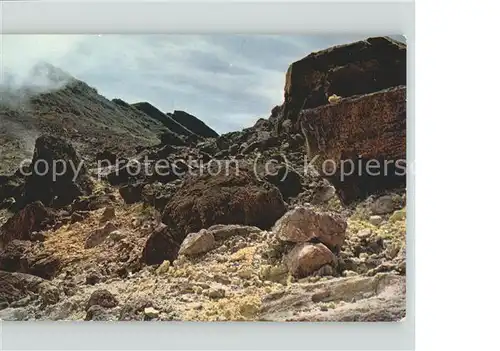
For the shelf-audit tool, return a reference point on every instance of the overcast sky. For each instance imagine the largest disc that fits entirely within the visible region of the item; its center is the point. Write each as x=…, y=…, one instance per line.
x=227, y=81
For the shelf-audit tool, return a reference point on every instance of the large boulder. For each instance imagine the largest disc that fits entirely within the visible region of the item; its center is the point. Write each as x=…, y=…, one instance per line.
x=34, y=217
x=359, y=143
x=57, y=173
x=306, y=258
x=359, y=68
x=41, y=264
x=161, y=245
x=287, y=180
x=132, y=193
x=234, y=196
x=304, y=224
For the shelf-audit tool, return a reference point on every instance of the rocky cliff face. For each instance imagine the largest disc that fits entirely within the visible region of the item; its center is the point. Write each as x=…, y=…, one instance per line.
x=229, y=227
x=352, y=69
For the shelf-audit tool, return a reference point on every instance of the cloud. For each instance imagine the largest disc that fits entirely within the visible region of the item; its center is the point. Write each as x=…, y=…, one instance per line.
x=229, y=81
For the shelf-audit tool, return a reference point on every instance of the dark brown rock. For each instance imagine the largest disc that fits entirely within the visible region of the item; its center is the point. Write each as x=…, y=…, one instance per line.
x=93, y=278
x=124, y=173
x=360, y=142
x=161, y=245
x=193, y=124
x=287, y=181
x=77, y=217
x=41, y=264
x=98, y=314
x=233, y=198
x=131, y=193
x=306, y=258
x=203, y=201
x=16, y=286
x=174, y=126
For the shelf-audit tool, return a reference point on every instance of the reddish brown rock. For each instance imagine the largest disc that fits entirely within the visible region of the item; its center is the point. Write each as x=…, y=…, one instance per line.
x=303, y=224
x=307, y=258
x=359, y=68
x=34, y=217
x=359, y=143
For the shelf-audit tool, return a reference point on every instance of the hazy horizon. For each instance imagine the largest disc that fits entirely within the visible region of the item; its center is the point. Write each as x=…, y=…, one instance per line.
x=228, y=81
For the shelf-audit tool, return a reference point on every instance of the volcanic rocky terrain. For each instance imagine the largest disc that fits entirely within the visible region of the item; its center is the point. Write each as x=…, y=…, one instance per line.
x=163, y=219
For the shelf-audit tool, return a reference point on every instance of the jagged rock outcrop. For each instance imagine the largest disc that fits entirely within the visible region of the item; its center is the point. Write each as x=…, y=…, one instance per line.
x=304, y=224
x=193, y=124
x=360, y=142
x=57, y=173
x=358, y=68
